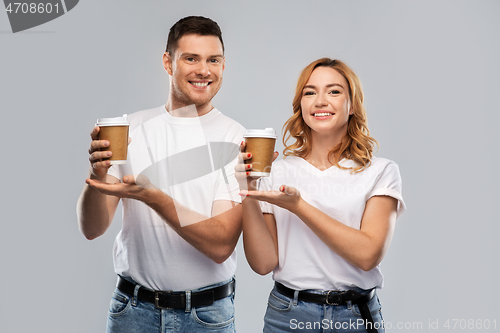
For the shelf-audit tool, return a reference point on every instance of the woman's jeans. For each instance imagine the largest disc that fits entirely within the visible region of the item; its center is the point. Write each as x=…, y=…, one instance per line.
x=127, y=314
x=286, y=314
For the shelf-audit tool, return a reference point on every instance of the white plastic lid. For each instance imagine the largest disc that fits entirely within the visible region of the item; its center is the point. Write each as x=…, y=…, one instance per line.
x=258, y=133
x=117, y=121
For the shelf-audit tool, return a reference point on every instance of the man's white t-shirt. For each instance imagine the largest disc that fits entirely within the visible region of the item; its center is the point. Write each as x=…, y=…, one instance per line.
x=192, y=160
x=305, y=261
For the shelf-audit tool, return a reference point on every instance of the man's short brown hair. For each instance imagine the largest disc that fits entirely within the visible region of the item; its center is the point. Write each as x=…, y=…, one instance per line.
x=197, y=25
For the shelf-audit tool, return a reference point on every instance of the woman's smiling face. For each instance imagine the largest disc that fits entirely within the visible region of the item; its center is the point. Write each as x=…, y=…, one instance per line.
x=325, y=101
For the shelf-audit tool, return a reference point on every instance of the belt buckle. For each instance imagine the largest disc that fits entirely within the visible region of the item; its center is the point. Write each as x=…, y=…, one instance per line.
x=337, y=294
x=157, y=298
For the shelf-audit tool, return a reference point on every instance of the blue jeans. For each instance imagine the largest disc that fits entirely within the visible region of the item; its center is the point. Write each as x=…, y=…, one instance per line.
x=127, y=314
x=286, y=314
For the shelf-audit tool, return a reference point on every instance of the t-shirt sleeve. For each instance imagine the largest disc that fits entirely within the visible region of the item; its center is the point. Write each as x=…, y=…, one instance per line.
x=114, y=171
x=390, y=184
x=228, y=188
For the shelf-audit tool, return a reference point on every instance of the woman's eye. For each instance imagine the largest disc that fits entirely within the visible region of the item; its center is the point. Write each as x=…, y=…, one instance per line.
x=335, y=92
x=308, y=93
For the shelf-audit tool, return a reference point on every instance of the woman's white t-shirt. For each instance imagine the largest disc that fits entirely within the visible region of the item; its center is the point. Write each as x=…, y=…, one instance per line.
x=305, y=262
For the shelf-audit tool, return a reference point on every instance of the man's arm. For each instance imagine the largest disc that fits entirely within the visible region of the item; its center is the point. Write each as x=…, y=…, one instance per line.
x=214, y=236
x=95, y=210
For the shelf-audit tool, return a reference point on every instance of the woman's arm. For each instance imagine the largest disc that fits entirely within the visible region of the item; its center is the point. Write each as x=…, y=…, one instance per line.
x=364, y=248
x=260, y=238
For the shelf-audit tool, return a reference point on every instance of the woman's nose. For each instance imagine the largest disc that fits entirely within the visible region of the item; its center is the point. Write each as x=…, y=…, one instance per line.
x=320, y=100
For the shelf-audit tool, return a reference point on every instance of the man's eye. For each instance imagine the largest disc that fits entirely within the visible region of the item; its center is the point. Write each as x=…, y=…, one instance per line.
x=190, y=59
x=214, y=61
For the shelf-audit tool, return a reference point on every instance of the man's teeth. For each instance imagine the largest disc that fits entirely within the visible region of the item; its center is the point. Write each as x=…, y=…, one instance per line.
x=323, y=114
x=200, y=84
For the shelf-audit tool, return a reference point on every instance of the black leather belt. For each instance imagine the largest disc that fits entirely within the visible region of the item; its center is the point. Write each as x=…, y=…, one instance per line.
x=177, y=299
x=335, y=298
x=331, y=298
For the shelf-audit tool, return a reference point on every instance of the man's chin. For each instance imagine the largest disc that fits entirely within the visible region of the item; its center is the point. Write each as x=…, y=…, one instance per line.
x=201, y=102
x=199, y=105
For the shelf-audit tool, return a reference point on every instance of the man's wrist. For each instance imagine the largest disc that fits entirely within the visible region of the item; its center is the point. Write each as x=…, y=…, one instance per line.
x=152, y=197
x=93, y=176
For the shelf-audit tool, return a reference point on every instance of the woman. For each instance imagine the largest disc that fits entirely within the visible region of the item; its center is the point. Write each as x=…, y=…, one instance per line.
x=328, y=215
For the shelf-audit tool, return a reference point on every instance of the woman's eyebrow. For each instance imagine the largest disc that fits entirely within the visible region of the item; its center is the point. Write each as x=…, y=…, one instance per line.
x=310, y=86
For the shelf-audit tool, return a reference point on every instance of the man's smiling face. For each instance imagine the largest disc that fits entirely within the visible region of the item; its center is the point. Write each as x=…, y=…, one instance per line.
x=196, y=70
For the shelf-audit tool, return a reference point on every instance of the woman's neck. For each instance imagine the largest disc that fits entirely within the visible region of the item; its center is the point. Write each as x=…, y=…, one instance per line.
x=321, y=146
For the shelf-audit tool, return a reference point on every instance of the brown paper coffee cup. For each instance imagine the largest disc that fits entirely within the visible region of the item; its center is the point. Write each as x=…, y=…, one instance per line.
x=115, y=130
x=260, y=143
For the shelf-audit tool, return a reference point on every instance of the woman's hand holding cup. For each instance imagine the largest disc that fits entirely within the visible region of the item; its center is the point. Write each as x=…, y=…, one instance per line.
x=243, y=170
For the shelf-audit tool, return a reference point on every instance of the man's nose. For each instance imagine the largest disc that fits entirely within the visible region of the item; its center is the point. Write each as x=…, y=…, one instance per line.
x=203, y=69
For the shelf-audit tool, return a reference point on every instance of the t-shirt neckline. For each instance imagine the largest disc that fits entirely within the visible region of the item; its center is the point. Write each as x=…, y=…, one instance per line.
x=301, y=160
x=188, y=120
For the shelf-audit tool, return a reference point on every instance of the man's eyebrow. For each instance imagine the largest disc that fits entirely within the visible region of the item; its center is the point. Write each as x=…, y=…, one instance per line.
x=187, y=54
x=310, y=86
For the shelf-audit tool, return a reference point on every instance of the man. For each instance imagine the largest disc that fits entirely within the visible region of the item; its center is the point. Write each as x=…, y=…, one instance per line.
x=181, y=218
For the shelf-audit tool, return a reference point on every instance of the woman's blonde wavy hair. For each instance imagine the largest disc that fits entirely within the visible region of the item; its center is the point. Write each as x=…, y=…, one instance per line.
x=357, y=145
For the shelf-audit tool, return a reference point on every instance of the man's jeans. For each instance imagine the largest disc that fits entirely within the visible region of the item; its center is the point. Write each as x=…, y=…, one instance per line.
x=127, y=314
x=285, y=314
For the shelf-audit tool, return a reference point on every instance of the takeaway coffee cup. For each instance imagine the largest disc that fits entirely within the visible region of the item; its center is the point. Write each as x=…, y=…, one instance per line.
x=261, y=144
x=115, y=130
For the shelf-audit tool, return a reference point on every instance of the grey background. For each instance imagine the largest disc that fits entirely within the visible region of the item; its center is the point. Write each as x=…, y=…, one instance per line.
x=431, y=78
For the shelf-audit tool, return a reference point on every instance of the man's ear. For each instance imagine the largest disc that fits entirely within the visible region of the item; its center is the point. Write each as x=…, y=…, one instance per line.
x=167, y=63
